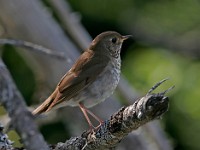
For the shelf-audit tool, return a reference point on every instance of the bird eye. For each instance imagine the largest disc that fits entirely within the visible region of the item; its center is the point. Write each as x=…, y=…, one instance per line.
x=114, y=40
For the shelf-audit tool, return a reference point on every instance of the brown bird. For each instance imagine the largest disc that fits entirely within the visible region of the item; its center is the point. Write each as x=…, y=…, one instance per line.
x=92, y=78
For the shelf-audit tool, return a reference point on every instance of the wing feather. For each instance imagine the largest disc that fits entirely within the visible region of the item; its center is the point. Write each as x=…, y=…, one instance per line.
x=81, y=75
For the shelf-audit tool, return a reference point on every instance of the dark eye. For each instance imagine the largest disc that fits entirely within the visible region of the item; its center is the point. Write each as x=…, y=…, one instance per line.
x=114, y=40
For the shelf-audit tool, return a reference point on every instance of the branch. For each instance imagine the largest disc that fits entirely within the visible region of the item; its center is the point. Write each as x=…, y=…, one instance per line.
x=71, y=23
x=21, y=118
x=107, y=136
x=31, y=46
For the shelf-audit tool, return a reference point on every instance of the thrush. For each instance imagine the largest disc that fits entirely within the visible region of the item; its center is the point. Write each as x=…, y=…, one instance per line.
x=93, y=77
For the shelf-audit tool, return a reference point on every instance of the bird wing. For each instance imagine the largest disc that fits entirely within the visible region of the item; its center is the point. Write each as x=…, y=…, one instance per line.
x=82, y=74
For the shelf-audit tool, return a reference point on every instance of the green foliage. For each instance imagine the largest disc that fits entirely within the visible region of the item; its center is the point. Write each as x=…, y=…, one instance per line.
x=145, y=66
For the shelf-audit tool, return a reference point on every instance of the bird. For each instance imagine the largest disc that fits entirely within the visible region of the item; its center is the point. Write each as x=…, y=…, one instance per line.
x=91, y=79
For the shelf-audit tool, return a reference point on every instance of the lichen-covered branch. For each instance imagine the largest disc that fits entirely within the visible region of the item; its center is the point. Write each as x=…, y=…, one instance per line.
x=127, y=119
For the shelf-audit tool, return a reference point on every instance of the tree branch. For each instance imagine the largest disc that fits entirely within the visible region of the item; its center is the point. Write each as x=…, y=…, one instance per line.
x=21, y=118
x=31, y=46
x=107, y=136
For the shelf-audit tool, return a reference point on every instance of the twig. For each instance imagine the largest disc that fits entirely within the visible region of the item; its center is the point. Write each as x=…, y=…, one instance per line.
x=31, y=46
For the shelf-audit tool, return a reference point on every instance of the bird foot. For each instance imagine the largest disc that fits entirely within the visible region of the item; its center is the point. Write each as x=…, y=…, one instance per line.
x=93, y=128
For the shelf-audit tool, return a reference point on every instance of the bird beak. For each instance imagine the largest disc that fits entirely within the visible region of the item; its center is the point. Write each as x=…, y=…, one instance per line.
x=125, y=37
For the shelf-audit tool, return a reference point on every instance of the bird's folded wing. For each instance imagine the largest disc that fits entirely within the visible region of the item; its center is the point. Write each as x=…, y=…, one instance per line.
x=80, y=76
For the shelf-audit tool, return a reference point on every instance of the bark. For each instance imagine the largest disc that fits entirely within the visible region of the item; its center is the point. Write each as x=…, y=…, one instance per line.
x=21, y=118
x=127, y=119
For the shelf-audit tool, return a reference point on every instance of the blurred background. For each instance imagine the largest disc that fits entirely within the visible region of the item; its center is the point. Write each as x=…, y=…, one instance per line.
x=165, y=43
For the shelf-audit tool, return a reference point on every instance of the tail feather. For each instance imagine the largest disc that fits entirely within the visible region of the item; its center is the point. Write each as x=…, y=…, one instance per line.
x=45, y=105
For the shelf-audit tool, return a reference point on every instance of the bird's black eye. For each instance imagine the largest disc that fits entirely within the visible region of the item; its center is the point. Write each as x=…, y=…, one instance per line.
x=114, y=40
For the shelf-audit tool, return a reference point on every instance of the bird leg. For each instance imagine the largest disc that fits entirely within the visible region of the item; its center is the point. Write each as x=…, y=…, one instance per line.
x=85, y=111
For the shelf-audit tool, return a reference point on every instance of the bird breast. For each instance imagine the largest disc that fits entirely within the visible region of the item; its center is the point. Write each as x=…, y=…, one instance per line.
x=102, y=87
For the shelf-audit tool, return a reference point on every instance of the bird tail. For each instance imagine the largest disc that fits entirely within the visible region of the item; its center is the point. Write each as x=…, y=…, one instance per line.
x=45, y=105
